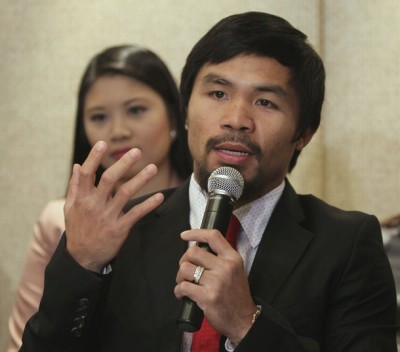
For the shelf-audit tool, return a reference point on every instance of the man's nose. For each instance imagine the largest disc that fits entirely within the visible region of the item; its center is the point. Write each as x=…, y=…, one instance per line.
x=238, y=116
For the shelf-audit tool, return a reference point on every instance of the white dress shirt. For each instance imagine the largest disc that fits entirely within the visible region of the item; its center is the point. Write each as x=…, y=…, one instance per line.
x=253, y=218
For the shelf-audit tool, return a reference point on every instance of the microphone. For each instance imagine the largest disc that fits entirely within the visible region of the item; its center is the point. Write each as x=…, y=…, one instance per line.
x=225, y=186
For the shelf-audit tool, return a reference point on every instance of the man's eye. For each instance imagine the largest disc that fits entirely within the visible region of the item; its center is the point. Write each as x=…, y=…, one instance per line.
x=218, y=94
x=265, y=102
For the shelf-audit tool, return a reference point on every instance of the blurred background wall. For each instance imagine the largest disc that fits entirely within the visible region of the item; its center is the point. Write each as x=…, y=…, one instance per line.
x=353, y=161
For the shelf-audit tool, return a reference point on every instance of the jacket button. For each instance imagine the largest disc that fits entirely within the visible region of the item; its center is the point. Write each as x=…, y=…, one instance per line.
x=80, y=315
x=77, y=332
x=83, y=303
x=79, y=322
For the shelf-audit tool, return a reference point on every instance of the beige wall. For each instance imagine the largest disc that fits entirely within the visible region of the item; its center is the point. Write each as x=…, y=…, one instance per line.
x=45, y=44
x=362, y=121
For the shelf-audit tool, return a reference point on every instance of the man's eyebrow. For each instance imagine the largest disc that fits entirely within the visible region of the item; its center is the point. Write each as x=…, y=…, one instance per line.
x=214, y=78
x=278, y=90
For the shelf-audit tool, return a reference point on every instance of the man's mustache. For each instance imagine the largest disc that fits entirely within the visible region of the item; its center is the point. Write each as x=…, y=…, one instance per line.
x=241, y=138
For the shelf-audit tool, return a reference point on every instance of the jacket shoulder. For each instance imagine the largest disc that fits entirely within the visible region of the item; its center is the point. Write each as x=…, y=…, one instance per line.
x=318, y=213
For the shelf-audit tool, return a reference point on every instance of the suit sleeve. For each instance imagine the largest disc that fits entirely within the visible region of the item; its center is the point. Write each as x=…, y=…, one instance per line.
x=361, y=314
x=67, y=312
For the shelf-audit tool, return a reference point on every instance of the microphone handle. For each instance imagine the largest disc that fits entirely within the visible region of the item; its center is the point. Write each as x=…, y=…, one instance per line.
x=216, y=216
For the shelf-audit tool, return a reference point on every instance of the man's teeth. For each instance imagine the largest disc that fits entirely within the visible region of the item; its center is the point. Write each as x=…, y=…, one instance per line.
x=233, y=152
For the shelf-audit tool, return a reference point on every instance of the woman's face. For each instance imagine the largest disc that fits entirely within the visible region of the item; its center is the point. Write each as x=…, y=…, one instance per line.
x=126, y=114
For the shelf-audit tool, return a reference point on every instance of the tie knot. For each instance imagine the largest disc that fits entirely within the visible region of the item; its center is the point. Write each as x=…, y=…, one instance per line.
x=233, y=228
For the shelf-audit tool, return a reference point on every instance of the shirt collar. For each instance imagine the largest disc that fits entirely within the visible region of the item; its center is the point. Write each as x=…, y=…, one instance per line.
x=253, y=216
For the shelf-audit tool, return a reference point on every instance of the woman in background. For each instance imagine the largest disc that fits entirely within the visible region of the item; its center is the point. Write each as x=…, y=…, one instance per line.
x=127, y=98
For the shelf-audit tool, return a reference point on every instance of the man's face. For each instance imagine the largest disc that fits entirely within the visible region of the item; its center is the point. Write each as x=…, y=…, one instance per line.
x=243, y=113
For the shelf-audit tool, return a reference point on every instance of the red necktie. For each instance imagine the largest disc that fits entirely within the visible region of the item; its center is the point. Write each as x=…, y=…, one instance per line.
x=231, y=233
x=207, y=339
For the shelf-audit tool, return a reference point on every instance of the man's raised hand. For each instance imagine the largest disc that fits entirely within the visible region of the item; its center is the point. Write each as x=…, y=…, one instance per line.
x=96, y=226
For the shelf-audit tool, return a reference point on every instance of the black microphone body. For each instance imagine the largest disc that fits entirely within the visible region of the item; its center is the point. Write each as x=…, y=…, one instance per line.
x=217, y=215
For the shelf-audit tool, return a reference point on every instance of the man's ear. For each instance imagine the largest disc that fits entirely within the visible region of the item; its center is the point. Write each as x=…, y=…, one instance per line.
x=304, y=139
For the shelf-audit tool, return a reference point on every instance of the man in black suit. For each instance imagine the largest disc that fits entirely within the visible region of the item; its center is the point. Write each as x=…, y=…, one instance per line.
x=305, y=276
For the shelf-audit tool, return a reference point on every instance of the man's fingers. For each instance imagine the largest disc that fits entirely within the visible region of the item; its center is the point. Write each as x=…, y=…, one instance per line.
x=115, y=172
x=213, y=238
x=186, y=272
x=72, y=188
x=90, y=166
x=130, y=188
x=140, y=210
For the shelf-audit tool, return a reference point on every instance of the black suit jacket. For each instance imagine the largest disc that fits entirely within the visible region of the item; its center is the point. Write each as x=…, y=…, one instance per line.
x=320, y=274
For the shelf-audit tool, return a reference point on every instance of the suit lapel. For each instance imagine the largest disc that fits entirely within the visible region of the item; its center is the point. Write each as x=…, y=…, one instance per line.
x=282, y=246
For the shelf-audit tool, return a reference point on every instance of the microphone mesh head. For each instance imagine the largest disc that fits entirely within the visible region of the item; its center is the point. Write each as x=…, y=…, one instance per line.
x=228, y=180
